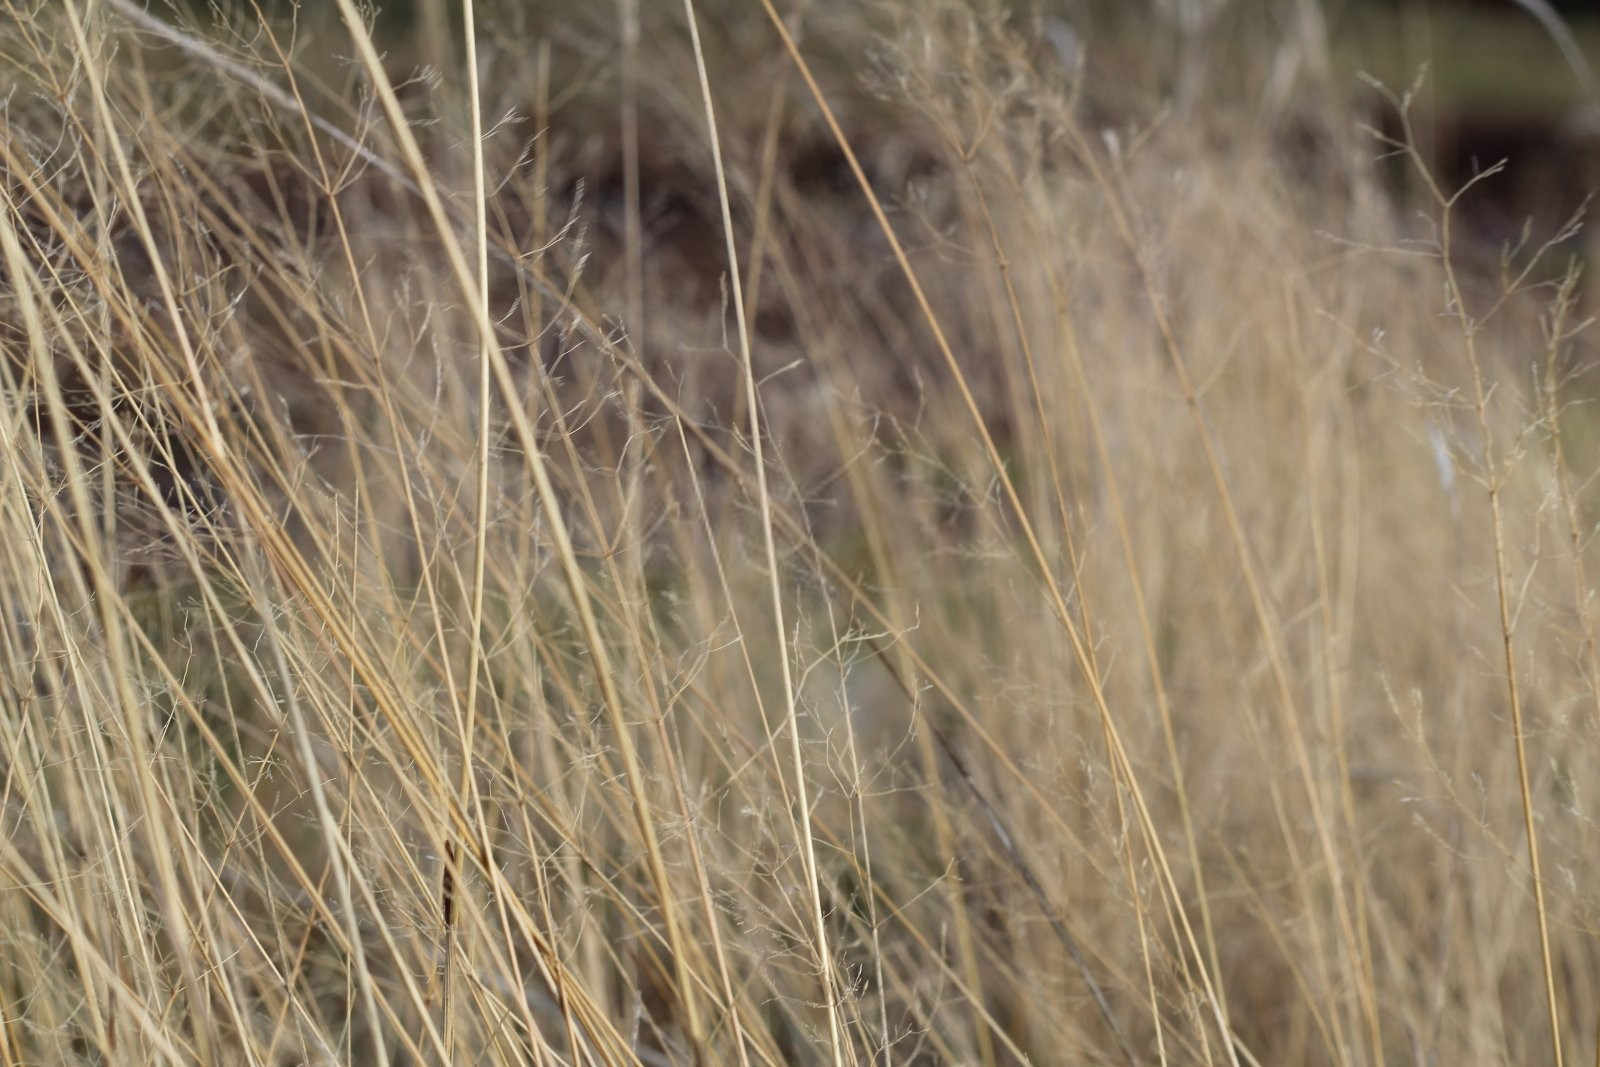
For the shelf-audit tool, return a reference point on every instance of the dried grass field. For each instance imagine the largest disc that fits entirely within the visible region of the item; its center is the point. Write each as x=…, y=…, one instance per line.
x=779, y=532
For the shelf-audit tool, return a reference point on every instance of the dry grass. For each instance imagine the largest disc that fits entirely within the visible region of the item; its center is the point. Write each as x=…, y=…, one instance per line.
x=1084, y=584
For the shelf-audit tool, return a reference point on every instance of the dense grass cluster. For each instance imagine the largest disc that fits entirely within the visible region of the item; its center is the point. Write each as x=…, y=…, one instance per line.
x=894, y=532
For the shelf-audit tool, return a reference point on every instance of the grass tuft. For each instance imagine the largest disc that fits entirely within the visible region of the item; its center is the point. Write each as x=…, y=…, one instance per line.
x=836, y=533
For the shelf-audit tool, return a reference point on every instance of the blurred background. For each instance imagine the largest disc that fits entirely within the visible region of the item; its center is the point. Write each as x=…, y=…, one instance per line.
x=1493, y=81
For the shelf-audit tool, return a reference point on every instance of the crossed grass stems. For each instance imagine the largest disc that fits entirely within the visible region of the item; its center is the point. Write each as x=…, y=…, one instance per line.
x=278, y=567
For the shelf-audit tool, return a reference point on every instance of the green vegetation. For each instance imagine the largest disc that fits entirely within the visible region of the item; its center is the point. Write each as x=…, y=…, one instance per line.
x=1019, y=548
